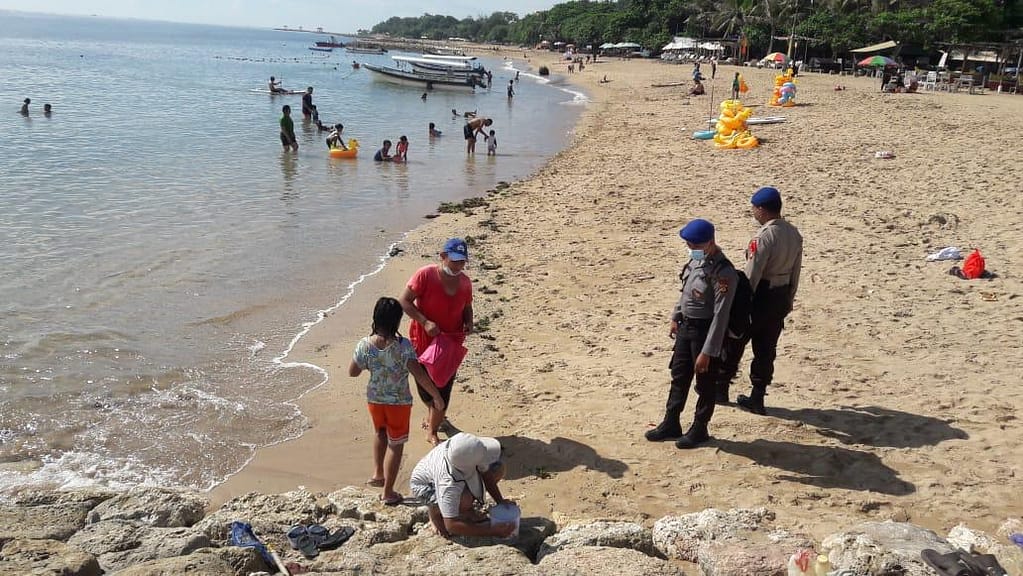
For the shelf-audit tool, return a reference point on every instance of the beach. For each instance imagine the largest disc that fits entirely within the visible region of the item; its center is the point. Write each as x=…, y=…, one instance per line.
x=896, y=384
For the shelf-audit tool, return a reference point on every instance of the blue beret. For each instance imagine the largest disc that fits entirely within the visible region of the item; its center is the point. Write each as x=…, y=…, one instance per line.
x=697, y=231
x=766, y=195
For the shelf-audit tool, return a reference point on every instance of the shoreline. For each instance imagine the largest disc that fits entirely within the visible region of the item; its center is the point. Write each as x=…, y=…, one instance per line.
x=572, y=369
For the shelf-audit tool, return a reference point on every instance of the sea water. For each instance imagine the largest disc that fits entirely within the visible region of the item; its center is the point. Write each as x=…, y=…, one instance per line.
x=160, y=252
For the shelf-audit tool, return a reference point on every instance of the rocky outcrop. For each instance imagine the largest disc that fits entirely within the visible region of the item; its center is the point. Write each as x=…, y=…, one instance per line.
x=45, y=556
x=119, y=544
x=604, y=561
x=154, y=532
x=599, y=533
x=883, y=548
x=153, y=506
x=739, y=542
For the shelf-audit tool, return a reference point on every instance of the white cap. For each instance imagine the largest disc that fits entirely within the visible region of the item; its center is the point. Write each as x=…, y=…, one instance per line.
x=468, y=453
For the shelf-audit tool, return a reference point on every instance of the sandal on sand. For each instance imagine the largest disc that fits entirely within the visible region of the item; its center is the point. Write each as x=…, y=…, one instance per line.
x=393, y=500
x=375, y=482
x=945, y=564
x=981, y=564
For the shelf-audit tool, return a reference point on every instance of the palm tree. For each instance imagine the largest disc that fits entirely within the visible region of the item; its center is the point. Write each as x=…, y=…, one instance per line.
x=731, y=15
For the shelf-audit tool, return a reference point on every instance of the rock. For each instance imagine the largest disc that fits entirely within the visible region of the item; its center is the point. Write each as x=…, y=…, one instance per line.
x=532, y=532
x=680, y=537
x=159, y=507
x=600, y=533
x=44, y=522
x=244, y=561
x=202, y=563
x=1008, y=555
x=90, y=497
x=119, y=544
x=883, y=548
x=730, y=558
x=603, y=560
x=46, y=557
x=429, y=554
x=359, y=504
x=269, y=514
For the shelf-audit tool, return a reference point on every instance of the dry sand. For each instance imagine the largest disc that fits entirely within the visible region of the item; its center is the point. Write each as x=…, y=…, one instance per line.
x=897, y=385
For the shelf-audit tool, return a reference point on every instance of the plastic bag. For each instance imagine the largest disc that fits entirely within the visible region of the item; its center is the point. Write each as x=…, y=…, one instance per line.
x=973, y=267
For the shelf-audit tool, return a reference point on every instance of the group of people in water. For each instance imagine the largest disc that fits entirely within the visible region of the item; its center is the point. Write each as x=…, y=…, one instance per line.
x=47, y=109
x=475, y=127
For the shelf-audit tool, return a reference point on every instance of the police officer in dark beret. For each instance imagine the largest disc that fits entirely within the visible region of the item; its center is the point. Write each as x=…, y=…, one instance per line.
x=774, y=259
x=698, y=325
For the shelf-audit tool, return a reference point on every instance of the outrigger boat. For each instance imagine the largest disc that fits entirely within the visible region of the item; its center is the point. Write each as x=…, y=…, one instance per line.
x=426, y=79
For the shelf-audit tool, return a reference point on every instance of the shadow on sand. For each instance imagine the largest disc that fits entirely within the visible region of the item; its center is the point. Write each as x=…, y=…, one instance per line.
x=822, y=466
x=525, y=457
x=874, y=426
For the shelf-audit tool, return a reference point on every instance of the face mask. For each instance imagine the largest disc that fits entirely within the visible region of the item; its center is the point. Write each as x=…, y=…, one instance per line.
x=449, y=271
x=696, y=255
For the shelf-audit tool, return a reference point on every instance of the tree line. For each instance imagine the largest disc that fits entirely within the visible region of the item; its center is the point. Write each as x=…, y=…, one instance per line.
x=830, y=27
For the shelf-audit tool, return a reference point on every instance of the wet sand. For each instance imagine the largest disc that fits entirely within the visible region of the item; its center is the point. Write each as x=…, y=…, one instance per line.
x=896, y=387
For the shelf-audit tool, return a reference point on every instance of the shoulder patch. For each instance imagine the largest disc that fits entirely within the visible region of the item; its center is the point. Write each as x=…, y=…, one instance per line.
x=752, y=248
x=722, y=286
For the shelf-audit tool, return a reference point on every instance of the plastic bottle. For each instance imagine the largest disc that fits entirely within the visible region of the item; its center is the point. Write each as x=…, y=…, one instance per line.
x=822, y=566
x=799, y=563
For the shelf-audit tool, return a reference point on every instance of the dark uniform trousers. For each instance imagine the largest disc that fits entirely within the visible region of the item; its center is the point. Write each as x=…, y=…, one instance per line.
x=688, y=343
x=767, y=319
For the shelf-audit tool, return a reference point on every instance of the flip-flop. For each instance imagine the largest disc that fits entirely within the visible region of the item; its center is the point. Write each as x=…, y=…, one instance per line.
x=945, y=564
x=301, y=540
x=392, y=501
x=981, y=564
x=375, y=482
x=339, y=537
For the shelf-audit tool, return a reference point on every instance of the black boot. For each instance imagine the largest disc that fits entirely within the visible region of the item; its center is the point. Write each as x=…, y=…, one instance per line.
x=668, y=429
x=696, y=435
x=753, y=403
x=721, y=395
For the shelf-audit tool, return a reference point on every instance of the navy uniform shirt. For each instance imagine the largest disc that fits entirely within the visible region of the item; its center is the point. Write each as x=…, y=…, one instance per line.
x=708, y=288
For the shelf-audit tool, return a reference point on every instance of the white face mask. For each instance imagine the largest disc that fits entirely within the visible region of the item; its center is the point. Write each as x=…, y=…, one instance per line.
x=449, y=271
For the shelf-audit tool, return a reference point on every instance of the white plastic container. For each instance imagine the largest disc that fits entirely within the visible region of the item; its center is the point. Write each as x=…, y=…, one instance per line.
x=505, y=513
x=822, y=566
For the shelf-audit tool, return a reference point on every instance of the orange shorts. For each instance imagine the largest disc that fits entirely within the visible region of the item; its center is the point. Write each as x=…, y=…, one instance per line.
x=394, y=418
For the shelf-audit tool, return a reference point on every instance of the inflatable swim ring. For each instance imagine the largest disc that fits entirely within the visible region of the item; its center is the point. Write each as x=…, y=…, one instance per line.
x=353, y=149
x=703, y=134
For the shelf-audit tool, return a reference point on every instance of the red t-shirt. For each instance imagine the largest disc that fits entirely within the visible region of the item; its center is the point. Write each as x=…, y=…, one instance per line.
x=437, y=305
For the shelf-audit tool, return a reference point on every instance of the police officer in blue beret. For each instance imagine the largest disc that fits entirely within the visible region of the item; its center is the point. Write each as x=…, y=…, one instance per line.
x=698, y=325
x=774, y=260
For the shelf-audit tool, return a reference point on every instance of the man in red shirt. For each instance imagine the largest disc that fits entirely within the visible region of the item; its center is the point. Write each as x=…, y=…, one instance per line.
x=438, y=299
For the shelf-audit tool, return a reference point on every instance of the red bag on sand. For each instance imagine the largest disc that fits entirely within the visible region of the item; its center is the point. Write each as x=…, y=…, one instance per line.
x=973, y=266
x=442, y=358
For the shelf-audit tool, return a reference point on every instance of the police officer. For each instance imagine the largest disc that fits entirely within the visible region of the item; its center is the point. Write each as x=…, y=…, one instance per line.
x=698, y=325
x=774, y=258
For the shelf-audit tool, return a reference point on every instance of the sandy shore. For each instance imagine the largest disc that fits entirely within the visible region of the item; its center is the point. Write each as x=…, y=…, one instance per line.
x=897, y=385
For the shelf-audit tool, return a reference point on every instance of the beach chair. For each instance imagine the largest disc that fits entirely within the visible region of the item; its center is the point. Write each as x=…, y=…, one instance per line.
x=931, y=81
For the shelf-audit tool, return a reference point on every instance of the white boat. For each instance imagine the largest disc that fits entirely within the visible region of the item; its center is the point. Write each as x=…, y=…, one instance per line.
x=439, y=66
x=425, y=79
x=363, y=50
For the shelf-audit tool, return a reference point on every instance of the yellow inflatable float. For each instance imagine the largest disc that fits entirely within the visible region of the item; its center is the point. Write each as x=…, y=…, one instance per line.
x=353, y=149
x=731, y=127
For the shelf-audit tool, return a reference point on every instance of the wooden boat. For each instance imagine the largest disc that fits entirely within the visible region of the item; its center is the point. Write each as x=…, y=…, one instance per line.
x=423, y=79
x=363, y=50
x=332, y=43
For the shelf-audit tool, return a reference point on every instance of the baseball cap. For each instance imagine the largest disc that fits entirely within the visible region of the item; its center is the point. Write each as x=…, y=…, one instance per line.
x=468, y=452
x=697, y=231
x=456, y=249
x=766, y=195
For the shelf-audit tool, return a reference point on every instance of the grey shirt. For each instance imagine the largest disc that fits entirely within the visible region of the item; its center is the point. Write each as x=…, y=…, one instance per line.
x=775, y=256
x=708, y=288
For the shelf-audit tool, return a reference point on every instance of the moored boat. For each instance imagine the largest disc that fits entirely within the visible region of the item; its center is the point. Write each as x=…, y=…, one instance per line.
x=364, y=50
x=320, y=49
x=424, y=79
x=332, y=43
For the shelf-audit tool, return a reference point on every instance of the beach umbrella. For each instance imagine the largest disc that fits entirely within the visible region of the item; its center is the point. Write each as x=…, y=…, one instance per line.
x=877, y=61
x=775, y=57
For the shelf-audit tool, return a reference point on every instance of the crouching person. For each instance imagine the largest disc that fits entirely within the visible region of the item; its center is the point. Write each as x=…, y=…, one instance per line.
x=451, y=480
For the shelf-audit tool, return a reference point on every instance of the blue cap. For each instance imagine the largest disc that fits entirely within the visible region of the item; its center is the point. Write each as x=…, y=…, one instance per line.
x=456, y=249
x=766, y=195
x=697, y=231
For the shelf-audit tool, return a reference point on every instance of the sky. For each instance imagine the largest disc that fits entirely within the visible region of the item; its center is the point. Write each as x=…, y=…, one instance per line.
x=332, y=15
